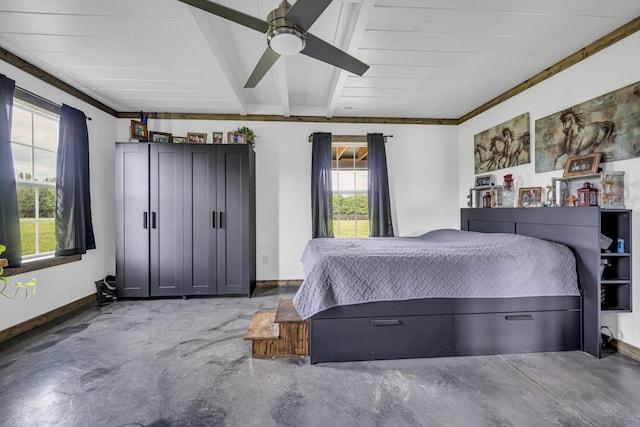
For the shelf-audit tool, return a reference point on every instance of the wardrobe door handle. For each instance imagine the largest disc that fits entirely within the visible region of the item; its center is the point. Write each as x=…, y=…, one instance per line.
x=145, y=220
x=221, y=220
x=213, y=218
x=153, y=220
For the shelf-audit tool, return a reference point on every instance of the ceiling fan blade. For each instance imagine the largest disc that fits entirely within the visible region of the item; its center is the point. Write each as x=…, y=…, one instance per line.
x=230, y=14
x=306, y=12
x=269, y=57
x=319, y=49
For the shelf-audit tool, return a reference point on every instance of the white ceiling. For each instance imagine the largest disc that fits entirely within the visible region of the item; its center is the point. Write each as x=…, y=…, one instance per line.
x=428, y=58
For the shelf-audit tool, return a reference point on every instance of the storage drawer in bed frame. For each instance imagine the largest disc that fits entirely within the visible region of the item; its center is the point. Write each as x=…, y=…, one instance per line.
x=376, y=338
x=399, y=337
x=504, y=333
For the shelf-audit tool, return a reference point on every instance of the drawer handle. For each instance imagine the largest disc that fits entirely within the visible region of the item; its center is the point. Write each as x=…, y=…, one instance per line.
x=519, y=317
x=384, y=322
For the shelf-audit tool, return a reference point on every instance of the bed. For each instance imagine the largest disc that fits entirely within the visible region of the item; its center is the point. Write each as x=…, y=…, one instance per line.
x=506, y=312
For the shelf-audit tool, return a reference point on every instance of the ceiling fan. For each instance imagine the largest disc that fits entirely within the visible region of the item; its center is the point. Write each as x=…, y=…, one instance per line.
x=286, y=29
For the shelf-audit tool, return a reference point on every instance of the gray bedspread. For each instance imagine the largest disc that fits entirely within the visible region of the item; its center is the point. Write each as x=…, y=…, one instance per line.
x=438, y=264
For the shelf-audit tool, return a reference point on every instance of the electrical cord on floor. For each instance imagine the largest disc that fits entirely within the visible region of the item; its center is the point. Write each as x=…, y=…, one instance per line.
x=606, y=335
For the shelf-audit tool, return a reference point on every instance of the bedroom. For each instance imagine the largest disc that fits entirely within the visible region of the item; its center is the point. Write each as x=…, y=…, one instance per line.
x=418, y=154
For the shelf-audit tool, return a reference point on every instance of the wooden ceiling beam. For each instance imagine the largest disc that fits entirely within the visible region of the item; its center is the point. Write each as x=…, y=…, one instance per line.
x=341, y=151
x=350, y=139
x=363, y=152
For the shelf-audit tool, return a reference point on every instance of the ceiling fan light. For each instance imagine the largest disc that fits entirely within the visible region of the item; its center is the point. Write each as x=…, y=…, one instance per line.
x=286, y=40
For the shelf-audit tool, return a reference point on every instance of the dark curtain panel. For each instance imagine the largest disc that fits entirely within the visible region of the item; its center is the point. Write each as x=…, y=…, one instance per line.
x=74, y=229
x=321, y=192
x=9, y=213
x=380, y=224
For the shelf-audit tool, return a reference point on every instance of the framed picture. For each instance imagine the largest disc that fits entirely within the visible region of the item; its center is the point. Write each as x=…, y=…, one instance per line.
x=196, y=138
x=529, y=196
x=139, y=130
x=161, y=137
x=582, y=165
x=178, y=139
x=218, y=138
x=483, y=180
x=236, y=138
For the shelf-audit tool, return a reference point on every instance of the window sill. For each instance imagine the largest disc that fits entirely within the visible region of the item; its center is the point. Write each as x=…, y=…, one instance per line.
x=40, y=264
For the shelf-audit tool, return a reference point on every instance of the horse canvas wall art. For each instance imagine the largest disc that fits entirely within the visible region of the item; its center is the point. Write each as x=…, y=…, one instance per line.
x=608, y=124
x=505, y=145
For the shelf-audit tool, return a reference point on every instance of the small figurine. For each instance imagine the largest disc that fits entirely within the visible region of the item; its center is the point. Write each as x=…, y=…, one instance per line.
x=549, y=201
x=572, y=200
x=486, y=200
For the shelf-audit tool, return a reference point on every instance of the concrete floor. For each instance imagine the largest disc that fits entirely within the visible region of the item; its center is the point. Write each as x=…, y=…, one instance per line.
x=181, y=362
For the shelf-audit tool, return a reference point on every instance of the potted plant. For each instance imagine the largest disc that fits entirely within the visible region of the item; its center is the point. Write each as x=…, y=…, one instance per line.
x=251, y=137
x=25, y=289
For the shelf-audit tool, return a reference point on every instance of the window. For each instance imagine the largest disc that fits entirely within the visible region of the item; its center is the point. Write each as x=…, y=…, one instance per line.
x=350, y=182
x=34, y=142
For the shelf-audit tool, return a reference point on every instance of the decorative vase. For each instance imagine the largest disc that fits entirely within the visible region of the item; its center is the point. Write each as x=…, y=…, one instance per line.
x=507, y=192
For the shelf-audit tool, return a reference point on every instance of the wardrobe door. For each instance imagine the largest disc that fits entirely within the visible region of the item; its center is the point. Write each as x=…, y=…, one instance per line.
x=233, y=231
x=201, y=220
x=132, y=220
x=166, y=219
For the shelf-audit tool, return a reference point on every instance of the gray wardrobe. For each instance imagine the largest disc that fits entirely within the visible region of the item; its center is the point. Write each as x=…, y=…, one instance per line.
x=185, y=219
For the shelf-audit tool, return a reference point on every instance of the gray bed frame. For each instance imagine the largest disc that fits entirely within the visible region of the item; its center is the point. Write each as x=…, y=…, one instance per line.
x=436, y=327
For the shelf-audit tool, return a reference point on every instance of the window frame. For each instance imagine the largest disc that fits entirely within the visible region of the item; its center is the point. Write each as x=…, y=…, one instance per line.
x=355, y=192
x=38, y=261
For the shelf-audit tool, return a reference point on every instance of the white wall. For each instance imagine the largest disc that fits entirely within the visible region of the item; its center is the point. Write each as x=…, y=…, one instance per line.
x=422, y=184
x=66, y=283
x=608, y=70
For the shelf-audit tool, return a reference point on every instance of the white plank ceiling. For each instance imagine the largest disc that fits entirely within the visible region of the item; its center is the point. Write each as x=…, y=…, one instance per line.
x=428, y=58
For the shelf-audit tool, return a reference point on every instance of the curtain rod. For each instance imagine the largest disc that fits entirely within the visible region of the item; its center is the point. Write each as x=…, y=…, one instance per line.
x=350, y=138
x=40, y=101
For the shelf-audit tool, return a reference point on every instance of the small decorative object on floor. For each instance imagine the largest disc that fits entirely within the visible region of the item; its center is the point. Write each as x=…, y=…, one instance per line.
x=587, y=195
x=606, y=335
x=106, y=290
